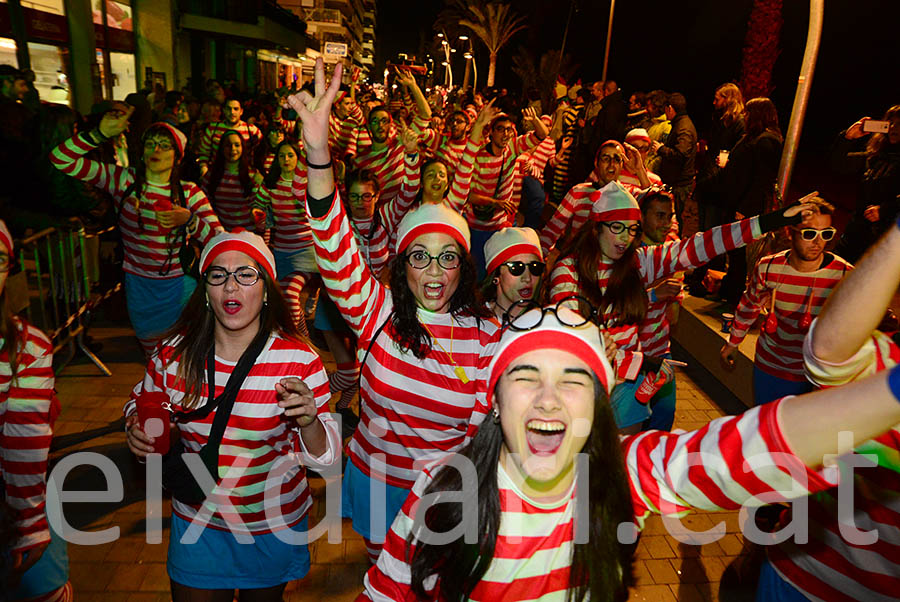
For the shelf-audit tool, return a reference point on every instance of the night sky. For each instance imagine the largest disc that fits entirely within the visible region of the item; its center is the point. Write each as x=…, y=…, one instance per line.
x=692, y=46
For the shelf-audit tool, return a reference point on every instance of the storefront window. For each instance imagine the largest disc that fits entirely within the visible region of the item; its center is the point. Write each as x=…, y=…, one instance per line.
x=118, y=14
x=49, y=65
x=57, y=7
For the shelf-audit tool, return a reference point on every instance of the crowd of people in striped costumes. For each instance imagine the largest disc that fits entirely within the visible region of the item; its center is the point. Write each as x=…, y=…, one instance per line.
x=473, y=313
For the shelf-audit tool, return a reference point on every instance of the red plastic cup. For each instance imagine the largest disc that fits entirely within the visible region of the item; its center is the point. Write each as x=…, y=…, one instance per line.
x=154, y=418
x=162, y=205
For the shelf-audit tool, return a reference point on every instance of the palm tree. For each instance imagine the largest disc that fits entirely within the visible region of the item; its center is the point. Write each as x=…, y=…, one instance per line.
x=494, y=23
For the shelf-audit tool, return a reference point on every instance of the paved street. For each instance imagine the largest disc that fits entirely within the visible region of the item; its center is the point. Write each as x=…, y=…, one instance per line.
x=132, y=570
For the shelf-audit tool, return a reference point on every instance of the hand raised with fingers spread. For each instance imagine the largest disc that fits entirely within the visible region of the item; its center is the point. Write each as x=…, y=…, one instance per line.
x=485, y=116
x=529, y=115
x=114, y=123
x=314, y=112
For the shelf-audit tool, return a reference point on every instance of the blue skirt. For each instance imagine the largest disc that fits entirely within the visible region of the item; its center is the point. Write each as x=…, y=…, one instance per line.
x=155, y=304
x=48, y=574
x=218, y=561
x=626, y=409
x=356, y=504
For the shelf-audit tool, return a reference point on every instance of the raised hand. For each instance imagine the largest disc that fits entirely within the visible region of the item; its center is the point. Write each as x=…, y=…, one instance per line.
x=856, y=130
x=529, y=116
x=405, y=78
x=633, y=160
x=408, y=137
x=486, y=115
x=314, y=112
x=802, y=206
x=114, y=123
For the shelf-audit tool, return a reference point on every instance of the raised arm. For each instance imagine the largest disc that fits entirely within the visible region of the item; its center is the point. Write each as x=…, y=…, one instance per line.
x=856, y=306
x=406, y=79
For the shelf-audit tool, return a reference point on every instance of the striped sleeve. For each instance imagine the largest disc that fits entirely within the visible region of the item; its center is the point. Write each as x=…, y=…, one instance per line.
x=27, y=429
x=661, y=261
x=755, y=295
x=729, y=463
x=461, y=183
x=69, y=157
x=524, y=143
x=394, y=210
x=563, y=280
x=575, y=208
x=208, y=225
x=205, y=148
x=347, y=278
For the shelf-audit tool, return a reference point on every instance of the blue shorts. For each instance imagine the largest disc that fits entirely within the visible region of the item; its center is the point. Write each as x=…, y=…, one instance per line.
x=328, y=316
x=155, y=304
x=773, y=588
x=288, y=262
x=627, y=410
x=356, y=505
x=218, y=561
x=767, y=387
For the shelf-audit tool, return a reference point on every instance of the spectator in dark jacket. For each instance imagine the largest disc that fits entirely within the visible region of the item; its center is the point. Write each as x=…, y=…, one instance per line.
x=677, y=156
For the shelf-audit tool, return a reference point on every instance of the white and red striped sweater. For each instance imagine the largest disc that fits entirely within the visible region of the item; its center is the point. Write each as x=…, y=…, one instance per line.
x=534, y=550
x=291, y=231
x=653, y=263
x=412, y=410
x=257, y=435
x=654, y=330
x=342, y=133
x=494, y=177
x=828, y=567
x=386, y=164
x=229, y=201
x=150, y=249
x=781, y=353
x=28, y=409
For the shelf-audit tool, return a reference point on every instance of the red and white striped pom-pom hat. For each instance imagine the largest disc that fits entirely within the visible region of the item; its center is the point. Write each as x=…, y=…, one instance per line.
x=239, y=240
x=613, y=203
x=637, y=135
x=509, y=242
x=429, y=218
x=584, y=342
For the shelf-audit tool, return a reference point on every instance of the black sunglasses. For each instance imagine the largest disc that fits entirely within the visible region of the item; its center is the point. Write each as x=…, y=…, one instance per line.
x=517, y=268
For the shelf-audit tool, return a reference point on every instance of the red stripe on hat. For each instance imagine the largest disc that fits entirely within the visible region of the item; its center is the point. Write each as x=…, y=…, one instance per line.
x=637, y=137
x=7, y=241
x=548, y=338
x=630, y=213
x=428, y=229
x=233, y=244
x=512, y=251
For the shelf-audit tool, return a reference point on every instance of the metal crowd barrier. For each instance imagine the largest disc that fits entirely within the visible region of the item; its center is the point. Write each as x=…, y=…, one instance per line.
x=60, y=267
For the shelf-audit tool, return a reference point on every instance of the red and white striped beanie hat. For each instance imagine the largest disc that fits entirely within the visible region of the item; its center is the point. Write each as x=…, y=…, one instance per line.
x=510, y=242
x=637, y=135
x=583, y=341
x=177, y=135
x=6, y=238
x=613, y=203
x=243, y=241
x=431, y=217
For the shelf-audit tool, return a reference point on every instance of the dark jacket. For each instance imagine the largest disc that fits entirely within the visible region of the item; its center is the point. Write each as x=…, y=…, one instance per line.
x=748, y=180
x=679, y=152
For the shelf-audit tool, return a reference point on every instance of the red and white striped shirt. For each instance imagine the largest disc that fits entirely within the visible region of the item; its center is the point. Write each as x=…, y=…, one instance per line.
x=149, y=248
x=653, y=263
x=28, y=409
x=386, y=164
x=229, y=201
x=829, y=567
x=796, y=294
x=342, y=133
x=494, y=177
x=534, y=549
x=633, y=184
x=532, y=164
x=440, y=146
x=654, y=330
x=257, y=435
x=291, y=231
x=209, y=142
x=267, y=161
x=411, y=410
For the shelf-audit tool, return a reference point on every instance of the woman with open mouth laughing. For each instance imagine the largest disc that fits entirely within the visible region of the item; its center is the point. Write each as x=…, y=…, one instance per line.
x=606, y=265
x=547, y=500
x=427, y=338
x=515, y=265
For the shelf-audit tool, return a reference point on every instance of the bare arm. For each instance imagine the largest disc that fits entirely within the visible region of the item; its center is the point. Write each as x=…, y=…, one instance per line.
x=855, y=308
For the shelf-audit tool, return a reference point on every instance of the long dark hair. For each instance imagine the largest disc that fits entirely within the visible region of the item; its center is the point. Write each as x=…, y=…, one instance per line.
x=408, y=331
x=196, y=326
x=140, y=173
x=762, y=116
x=262, y=149
x=9, y=331
x=625, y=296
x=879, y=141
x=274, y=173
x=217, y=171
x=602, y=567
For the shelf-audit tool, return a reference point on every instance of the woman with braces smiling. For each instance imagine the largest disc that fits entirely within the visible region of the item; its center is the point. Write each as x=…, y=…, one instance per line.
x=548, y=525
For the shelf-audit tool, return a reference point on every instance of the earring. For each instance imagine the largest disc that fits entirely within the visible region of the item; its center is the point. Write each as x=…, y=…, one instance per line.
x=495, y=414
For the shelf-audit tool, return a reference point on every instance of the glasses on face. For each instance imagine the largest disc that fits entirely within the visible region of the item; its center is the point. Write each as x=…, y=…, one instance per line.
x=376, y=122
x=356, y=197
x=151, y=144
x=244, y=275
x=619, y=227
x=510, y=129
x=421, y=260
x=517, y=268
x=520, y=318
x=641, y=147
x=611, y=158
x=810, y=234
x=5, y=264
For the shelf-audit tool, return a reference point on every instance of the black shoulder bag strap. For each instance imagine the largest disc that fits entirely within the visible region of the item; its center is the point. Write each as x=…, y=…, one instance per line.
x=369, y=348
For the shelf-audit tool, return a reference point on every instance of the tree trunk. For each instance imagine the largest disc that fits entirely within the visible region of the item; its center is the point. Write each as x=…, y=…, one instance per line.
x=465, y=85
x=492, y=69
